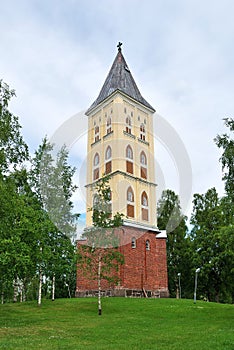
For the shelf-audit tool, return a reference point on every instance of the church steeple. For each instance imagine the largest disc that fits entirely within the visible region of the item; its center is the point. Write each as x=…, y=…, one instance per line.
x=121, y=144
x=120, y=78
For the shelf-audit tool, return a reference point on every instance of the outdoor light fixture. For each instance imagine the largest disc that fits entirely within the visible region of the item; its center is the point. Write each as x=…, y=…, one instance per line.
x=195, y=288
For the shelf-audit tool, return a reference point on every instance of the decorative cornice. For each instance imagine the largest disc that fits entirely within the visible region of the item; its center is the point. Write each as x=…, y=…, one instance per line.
x=140, y=226
x=129, y=135
x=143, y=141
x=107, y=135
x=95, y=143
x=119, y=172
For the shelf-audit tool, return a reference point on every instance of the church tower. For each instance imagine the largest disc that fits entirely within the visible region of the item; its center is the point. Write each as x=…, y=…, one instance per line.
x=121, y=144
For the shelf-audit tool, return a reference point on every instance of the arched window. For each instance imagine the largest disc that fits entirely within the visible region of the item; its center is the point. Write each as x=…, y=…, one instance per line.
x=142, y=132
x=96, y=161
x=147, y=244
x=143, y=158
x=128, y=125
x=144, y=199
x=130, y=194
x=108, y=153
x=133, y=242
x=108, y=163
x=144, y=206
x=129, y=152
x=129, y=160
x=108, y=125
x=143, y=161
x=96, y=134
x=130, y=202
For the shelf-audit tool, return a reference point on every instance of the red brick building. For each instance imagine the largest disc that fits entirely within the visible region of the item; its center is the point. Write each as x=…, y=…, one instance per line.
x=121, y=144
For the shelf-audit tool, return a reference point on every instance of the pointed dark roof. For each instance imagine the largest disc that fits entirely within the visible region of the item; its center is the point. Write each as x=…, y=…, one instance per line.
x=120, y=78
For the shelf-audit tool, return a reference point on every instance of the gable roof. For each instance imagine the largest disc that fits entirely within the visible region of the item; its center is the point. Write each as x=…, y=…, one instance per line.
x=119, y=78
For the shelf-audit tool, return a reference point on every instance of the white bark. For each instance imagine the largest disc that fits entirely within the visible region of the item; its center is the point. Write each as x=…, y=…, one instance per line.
x=40, y=287
x=53, y=287
x=99, y=286
x=21, y=295
x=40, y=282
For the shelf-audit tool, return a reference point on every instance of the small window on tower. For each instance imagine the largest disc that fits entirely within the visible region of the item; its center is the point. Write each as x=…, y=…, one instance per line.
x=130, y=202
x=143, y=161
x=96, y=161
x=96, y=134
x=108, y=125
x=128, y=125
x=142, y=132
x=144, y=207
x=129, y=160
x=129, y=152
x=130, y=194
x=108, y=163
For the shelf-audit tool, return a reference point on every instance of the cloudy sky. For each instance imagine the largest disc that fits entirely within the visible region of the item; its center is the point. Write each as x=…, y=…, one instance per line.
x=56, y=55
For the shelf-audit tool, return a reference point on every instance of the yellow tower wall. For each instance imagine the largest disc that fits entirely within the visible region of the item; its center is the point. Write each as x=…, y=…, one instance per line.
x=118, y=107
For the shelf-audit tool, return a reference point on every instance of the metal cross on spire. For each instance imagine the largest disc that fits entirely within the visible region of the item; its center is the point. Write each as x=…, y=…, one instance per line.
x=119, y=46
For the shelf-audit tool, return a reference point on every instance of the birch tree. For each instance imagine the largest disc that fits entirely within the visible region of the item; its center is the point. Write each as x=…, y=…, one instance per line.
x=99, y=257
x=51, y=178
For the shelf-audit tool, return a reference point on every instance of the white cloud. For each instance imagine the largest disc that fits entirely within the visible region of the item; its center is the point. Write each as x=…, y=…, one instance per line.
x=57, y=55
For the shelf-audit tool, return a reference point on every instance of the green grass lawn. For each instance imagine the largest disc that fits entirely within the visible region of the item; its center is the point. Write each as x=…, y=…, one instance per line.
x=125, y=324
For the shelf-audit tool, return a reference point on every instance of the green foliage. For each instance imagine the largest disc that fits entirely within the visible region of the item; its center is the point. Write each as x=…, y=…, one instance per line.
x=213, y=247
x=102, y=206
x=178, y=243
x=212, y=233
x=51, y=179
x=35, y=209
x=13, y=150
x=226, y=143
x=139, y=324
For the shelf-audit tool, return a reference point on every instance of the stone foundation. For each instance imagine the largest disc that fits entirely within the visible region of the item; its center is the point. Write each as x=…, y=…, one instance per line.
x=127, y=293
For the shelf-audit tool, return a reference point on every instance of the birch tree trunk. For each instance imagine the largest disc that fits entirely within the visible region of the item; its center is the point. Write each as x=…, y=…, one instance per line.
x=15, y=290
x=21, y=294
x=99, y=285
x=40, y=281
x=40, y=287
x=53, y=287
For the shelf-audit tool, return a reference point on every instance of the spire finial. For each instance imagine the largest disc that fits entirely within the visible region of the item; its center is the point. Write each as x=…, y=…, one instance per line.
x=119, y=46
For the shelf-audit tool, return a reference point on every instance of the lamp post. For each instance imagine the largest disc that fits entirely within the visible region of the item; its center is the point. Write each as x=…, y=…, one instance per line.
x=195, y=288
x=179, y=274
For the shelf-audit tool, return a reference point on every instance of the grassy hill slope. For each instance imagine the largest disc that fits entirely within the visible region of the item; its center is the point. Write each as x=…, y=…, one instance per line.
x=128, y=324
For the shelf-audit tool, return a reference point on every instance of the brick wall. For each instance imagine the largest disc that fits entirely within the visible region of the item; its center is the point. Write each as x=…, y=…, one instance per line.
x=142, y=269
